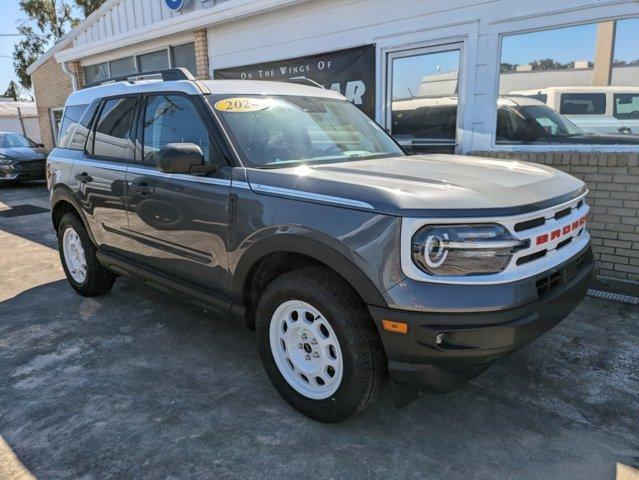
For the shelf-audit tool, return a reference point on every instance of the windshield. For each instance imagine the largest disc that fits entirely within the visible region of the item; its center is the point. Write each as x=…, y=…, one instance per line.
x=13, y=140
x=533, y=122
x=276, y=131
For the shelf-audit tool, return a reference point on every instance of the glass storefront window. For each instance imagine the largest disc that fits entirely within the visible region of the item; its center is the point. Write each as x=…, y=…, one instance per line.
x=589, y=74
x=153, y=61
x=96, y=73
x=122, y=66
x=184, y=56
x=424, y=88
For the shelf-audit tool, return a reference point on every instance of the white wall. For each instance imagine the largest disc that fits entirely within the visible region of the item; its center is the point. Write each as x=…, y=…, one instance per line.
x=324, y=25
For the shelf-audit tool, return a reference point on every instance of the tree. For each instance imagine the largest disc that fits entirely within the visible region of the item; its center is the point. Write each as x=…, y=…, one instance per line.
x=47, y=21
x=12, y=91
x=88, y=6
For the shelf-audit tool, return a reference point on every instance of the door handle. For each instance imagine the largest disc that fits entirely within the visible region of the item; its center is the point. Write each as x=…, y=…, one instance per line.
x=84, y=177
x=142, y=188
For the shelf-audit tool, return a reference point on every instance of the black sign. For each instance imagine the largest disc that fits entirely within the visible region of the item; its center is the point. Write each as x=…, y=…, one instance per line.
x=350, y=72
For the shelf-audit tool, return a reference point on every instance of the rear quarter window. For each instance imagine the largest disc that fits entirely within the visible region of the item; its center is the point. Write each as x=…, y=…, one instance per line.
x=583, y=104
x=73, y=131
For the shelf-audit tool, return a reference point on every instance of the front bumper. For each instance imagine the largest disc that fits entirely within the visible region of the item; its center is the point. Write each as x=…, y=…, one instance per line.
x=472, y=341
x=28, y=170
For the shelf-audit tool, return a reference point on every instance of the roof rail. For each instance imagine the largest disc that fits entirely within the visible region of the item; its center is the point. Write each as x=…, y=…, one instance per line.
x=168, y=75
x=305, y=81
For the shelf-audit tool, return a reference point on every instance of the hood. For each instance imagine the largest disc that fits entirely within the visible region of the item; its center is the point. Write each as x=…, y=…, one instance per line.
x=22, y=153
x=425, y=185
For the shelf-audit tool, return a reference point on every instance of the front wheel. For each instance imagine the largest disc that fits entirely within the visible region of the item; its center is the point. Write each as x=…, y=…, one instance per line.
x=318, y=344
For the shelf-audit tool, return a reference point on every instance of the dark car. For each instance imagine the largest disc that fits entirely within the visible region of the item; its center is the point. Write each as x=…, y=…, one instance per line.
x=21, y=158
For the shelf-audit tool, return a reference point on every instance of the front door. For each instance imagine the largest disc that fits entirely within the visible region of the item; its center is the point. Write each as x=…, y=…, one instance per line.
x=422, y=98
x=178, y=223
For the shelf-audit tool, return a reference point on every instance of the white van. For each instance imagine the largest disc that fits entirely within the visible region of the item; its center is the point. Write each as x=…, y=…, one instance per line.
x=594, y=109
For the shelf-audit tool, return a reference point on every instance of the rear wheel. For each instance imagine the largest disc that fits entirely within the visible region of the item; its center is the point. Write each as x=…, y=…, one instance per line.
x=318, y=344
x=77, y=253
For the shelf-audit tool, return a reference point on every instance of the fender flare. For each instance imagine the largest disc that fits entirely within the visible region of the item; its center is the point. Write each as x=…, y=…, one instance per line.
x=62, y=193
x=310, y=247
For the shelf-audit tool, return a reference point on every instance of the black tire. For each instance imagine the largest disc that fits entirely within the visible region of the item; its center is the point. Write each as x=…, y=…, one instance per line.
x=98, y=279
x=358, y=340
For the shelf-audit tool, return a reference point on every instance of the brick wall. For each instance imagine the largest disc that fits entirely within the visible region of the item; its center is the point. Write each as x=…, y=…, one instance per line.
x=613, y=181
x=201, y=54
x=51, y=87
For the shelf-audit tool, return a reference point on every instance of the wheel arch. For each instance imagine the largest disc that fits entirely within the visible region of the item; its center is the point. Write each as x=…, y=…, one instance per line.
x=265, y=260
x=63, y=202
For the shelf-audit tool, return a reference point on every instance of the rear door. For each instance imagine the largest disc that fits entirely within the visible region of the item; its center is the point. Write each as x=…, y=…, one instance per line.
x=179, y=222
x=99, y=175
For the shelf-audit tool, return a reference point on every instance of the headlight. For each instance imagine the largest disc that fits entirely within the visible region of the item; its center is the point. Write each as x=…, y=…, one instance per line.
x=4, y=159
x=460, y=250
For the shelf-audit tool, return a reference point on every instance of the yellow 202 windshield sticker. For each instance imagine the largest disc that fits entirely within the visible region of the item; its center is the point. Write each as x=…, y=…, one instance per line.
x=241, y=104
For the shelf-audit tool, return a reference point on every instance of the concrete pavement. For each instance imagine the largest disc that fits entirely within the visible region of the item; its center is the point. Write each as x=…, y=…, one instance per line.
x=136, y=384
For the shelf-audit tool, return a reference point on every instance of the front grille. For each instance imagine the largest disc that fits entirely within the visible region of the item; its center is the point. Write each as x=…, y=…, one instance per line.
x=30, y=165
x=538, y=221
x=528, y=224
x=568, y=273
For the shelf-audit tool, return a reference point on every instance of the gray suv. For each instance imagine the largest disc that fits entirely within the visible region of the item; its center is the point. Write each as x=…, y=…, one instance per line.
x=285, y=206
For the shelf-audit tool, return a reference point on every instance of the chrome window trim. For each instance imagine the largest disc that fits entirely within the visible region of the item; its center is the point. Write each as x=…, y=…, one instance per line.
x=513, y=272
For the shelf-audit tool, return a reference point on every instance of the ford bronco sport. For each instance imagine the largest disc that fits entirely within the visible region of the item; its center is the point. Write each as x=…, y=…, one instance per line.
x=286, y=206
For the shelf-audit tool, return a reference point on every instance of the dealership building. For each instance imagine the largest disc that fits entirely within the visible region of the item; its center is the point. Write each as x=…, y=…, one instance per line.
x=490, y=78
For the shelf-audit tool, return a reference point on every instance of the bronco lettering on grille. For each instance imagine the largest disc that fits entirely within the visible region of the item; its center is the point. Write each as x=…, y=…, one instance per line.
x=559, y=232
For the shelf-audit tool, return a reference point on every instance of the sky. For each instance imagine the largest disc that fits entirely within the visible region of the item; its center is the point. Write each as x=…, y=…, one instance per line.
x=562, y=44
x=10, y=15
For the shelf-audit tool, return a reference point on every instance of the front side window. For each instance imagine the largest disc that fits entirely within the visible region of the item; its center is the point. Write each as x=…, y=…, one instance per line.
x=112, y=134
x=172, y=119
x=627, y=106
x=277, y=131
x=13, y=140
x=583, y=104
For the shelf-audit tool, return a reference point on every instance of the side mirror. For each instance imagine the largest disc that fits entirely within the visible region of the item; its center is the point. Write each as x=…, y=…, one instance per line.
x=181, y=158
x=39, y=145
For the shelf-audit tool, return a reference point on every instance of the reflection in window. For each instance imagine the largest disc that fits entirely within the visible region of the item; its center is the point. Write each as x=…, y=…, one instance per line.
x=122, y=66
x=627, y=106
x=424, y=91
x=150, y=62
x=172, y=119
x=580, y=72
x=184, y=56
x=96, y=73
x=583, y=104
x=112, y=133
x=70, y=124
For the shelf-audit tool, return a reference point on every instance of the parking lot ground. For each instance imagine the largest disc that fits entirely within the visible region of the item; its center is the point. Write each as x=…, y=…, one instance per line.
x=135, y=384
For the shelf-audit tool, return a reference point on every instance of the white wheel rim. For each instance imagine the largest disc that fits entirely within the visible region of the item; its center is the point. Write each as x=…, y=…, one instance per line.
x=74, y=256
x=306, y=349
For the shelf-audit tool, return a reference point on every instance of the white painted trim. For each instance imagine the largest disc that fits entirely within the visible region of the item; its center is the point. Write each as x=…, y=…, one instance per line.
x=231, y=10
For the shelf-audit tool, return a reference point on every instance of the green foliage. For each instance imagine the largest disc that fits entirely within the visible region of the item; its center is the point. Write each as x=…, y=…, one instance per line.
x=47, y=21
x=12, y=91
x=89, y=6
x=27, y=51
